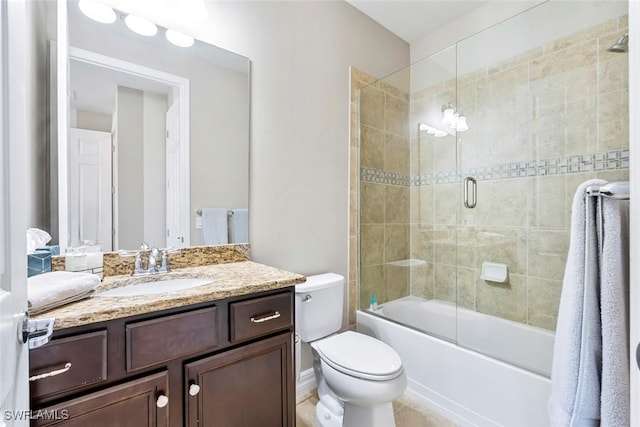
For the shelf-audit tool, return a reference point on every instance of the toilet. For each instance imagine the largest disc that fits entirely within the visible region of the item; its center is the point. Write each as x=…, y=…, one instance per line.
x=357, y=376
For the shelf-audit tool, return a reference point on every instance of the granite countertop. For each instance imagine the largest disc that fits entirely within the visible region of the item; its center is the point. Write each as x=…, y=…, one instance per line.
x=227, y=280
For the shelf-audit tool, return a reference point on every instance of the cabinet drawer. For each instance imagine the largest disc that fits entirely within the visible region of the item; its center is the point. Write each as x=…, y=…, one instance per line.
x=260, y=316
x=159, y=340
x=132, y=404
x=85, y=356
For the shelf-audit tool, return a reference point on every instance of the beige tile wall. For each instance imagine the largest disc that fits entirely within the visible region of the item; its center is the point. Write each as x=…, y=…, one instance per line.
x=566, y=99
x=559, y=101
x=375, y=141
x=383, y=125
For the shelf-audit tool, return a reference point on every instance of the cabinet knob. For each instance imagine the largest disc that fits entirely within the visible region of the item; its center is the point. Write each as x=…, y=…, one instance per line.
x=194, y=389
x=162, y=401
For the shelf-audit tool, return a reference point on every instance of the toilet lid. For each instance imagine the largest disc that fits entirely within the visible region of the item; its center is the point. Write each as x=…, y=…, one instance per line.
x=360, y=355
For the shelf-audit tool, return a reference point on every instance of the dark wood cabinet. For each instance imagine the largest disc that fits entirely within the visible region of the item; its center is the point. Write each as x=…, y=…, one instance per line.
x=133, y=404
x=245, y=387
x=260, y=316
x=79, y=361
x=222, y=363
x=155, y=341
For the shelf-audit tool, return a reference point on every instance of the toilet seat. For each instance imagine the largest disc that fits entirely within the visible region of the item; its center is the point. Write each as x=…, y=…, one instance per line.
x=360, y=356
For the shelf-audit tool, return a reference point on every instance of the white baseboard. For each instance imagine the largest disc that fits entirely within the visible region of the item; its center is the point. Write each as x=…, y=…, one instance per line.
x=305, y=384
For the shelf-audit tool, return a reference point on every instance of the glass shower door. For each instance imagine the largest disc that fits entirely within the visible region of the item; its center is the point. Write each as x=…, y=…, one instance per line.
x=435, y=193
x=539, y=96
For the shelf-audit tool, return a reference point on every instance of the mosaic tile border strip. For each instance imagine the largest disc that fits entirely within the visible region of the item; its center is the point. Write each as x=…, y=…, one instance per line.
x=595, y=162
x=384, y=177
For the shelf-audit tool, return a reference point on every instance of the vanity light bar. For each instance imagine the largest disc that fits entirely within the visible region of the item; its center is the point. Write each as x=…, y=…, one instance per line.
x=100, y=12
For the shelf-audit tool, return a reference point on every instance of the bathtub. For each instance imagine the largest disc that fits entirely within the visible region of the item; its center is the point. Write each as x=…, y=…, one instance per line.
x=464, y=385
x=525, y=346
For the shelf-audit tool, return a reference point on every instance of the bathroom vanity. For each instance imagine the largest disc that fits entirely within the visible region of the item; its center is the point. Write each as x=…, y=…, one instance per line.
x=220, y=354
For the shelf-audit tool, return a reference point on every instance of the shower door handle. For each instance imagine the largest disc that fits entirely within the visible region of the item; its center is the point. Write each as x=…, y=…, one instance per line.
x=470, y=204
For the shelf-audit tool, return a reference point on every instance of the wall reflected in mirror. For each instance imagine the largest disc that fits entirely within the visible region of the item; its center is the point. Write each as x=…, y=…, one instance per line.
x=157, y=134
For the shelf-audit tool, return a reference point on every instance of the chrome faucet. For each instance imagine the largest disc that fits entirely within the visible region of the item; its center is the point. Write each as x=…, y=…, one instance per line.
x=152, y=263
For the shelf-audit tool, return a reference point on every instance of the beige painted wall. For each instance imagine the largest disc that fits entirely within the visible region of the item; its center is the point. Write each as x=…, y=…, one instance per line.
x=154, y=110
x=140, y=132
x=219, y=153
x=90, y=120
x=129, y=134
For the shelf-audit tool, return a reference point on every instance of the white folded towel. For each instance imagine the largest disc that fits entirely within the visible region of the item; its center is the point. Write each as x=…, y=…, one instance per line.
x=49, y=290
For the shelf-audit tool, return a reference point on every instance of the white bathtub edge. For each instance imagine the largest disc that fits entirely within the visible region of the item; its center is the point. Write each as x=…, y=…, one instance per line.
x=460, y=384
x=445, y=407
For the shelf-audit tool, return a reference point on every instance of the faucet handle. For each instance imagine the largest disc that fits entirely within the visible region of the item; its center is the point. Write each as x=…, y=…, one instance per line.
x=164, y=267
x=153, y=259
x=137, y=263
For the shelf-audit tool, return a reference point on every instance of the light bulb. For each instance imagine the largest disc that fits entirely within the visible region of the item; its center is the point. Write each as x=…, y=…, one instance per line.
x=141, y=26
x=432, y=131
x=97, y=11
x=461, y=124
x=179, y=39
x=448, y=117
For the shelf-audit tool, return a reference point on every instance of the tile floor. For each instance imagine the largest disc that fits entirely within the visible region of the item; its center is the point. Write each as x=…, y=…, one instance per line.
x=407, y=413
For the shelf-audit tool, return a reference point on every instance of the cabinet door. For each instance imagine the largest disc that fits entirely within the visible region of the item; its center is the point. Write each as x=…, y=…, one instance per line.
x=133, y=404
x=248, y=386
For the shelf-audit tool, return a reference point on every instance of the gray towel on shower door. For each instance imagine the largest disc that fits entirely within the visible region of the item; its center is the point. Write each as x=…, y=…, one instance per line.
x=575, y=376
x=614, y=303
x=590, y=374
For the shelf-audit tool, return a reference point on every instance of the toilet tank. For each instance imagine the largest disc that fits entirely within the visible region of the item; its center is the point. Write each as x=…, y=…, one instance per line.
x=319, y=306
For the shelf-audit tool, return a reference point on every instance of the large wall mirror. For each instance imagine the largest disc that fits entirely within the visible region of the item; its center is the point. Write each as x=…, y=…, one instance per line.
x=157, y=139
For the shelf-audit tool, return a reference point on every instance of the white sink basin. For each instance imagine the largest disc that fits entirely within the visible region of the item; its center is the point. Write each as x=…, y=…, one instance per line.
x=157, y=287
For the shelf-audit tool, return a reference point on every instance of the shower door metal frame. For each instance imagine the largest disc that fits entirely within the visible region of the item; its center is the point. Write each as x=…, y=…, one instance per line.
x=634, y=170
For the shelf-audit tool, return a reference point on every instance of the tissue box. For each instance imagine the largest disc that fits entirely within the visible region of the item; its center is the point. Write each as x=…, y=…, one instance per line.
x=38, y=262
x=53, y=249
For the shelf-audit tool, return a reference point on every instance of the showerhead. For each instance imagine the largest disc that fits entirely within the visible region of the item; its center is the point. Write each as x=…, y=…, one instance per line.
x=621, y=45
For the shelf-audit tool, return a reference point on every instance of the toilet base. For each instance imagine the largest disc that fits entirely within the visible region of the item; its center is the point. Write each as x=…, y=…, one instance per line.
x=370, y=416
x=325, y=417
